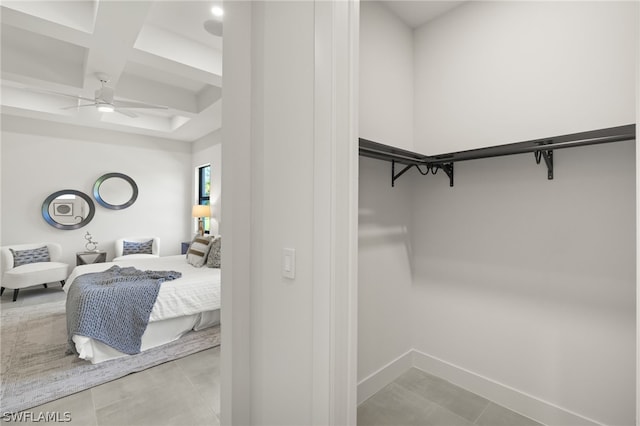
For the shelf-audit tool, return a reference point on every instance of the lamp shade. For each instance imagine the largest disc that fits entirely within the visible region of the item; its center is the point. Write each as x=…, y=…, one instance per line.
x=201, y=211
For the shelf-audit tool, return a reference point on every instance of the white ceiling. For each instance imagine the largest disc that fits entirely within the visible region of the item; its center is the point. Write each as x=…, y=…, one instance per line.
x=155, y=52
x=416, y=13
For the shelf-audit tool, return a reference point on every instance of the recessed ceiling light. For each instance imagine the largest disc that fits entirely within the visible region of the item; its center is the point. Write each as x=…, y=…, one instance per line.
x=213, y=27
x=217, y=11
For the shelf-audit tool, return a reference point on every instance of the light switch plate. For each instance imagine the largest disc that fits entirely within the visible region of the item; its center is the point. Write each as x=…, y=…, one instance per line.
x=289, y=263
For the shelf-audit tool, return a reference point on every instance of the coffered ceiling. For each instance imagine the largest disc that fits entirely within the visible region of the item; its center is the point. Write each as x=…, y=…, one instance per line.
x=154, y=52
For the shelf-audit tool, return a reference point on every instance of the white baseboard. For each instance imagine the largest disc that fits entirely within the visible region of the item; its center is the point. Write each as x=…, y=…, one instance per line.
x=513, y=399
x=528, y=405
x=368, y=386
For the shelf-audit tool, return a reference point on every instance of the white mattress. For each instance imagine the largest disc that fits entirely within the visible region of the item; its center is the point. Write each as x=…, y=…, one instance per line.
x=157, y=333
x=191, y=302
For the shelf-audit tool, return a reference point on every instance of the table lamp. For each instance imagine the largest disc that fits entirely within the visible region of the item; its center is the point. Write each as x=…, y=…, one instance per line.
x=201, y=211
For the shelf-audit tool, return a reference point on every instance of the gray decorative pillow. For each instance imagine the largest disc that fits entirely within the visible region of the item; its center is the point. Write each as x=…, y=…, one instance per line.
x=213, y=260
x=198, y=250
x=23, y=257
x=131, y=247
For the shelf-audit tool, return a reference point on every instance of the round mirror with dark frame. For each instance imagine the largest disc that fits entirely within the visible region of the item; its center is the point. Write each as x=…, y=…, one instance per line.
x=68, y=209
x=115, y=191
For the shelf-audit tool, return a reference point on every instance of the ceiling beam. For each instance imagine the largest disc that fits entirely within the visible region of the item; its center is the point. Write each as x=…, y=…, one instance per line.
x=174, y=67
x=43, y=27
x=116, y=29
x=167, y=44
x=139, y=89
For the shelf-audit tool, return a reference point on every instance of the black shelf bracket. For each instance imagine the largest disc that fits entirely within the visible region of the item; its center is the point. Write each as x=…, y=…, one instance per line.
x=448, y=169
x=548, y=159
x=395, y=176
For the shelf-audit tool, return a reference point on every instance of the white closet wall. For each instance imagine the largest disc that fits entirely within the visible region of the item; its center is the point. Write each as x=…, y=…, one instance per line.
x=384, y=269
x=490, y=73
x=530, y=283
x=386, y=114
x=386, y=77
x=521, y=289
x=533, y=278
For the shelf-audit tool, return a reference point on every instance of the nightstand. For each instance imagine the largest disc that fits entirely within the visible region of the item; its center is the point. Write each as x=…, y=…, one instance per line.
x=89, y=257
x=185, y=247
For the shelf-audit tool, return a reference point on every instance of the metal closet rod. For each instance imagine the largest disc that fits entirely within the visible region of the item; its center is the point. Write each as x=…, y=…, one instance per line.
x=380, y=151
x=543, y=148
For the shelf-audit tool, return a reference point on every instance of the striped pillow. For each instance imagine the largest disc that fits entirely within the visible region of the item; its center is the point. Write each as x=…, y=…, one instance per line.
x=23, y=257
x=198, y=250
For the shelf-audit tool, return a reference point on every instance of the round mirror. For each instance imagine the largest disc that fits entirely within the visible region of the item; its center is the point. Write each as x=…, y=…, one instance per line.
x=68, y=209
x=115, y=191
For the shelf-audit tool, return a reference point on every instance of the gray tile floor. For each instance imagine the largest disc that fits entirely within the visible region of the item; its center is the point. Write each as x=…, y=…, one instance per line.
x=183, y=392
x=32, y=296
x=420, y=399
x=187, y=392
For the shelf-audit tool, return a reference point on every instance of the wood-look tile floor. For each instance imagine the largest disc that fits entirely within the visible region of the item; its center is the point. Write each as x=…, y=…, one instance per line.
x=183, y=392
x=420, y=399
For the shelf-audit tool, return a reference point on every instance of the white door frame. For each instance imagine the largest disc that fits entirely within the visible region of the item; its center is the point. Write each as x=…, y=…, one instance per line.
x=335, y=214
x=235, y=354
x=336, y=210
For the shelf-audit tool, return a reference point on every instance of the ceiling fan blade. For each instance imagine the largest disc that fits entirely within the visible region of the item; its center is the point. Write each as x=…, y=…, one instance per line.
x=127, y=113
x=78, y=106
x=131, y=104
x=51, y=92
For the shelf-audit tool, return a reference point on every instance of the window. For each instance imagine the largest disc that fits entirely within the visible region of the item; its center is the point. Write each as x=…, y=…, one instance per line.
x=204, y=191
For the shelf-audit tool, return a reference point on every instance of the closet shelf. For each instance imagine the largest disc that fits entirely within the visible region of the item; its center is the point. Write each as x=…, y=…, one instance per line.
x=542, y=149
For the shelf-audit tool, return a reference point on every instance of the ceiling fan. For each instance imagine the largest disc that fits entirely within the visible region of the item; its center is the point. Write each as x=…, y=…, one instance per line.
x=104, y=101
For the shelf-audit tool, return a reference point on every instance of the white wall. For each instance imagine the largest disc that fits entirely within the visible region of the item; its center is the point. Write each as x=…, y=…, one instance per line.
x=299, y=99
x=533, y=278
x=490, y=73
x=384, y=251
x=519, y=284
x=39, y=158
x=281, y=211
x=386, y=74
x=208, y=150
x=384, y=268
x=530, y=282
x=386, y=77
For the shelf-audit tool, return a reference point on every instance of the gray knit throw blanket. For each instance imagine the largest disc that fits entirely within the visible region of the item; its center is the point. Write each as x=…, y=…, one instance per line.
x=114, y=306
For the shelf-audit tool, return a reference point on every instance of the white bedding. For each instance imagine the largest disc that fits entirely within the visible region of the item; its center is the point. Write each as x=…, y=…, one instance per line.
x=198, y=289
x=191, y=302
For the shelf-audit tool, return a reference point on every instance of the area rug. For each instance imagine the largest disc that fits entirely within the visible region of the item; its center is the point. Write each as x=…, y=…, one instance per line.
x=34, y=368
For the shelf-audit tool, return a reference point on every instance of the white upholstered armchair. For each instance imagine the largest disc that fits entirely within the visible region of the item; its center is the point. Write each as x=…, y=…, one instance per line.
x=26, y=265
x=136, y=247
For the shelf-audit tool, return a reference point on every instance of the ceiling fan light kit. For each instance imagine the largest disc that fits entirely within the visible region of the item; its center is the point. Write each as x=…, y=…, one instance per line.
x=105, y=107
x=104, y=99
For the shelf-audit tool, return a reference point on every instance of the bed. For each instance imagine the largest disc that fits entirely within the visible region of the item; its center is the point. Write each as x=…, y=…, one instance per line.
x=191, y=302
